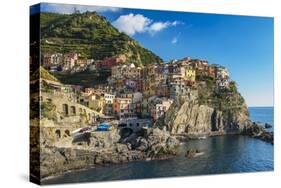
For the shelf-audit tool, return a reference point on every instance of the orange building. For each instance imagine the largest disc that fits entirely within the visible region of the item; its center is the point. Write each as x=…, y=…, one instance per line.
x=122, y=107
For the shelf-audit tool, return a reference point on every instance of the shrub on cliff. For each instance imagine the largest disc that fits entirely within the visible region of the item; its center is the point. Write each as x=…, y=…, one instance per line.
x=48, y=110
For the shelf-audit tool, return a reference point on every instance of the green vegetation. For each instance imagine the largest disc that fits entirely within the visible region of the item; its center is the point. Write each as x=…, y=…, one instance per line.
x=43, y=74
x=92, y=36
x=226, y=100
x=87, y=78
x=46, y=87
x=48, y=110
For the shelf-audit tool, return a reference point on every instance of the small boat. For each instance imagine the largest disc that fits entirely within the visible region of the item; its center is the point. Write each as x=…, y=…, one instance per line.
x=202, y=137
x=193, y=153
x=103, y=127
x=199, y=154
x=75, y=132
x=81, y=131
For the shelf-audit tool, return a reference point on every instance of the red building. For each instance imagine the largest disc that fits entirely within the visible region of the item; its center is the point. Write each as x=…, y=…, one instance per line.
x=108, y=63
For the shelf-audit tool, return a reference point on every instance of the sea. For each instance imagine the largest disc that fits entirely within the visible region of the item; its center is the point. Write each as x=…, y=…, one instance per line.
x=262, y=115
x=220, y=155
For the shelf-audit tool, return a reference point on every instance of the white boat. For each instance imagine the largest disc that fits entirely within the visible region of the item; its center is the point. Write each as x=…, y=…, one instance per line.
x=82, y=131
x=202, y=137
x=75, y=132
x=199, y=154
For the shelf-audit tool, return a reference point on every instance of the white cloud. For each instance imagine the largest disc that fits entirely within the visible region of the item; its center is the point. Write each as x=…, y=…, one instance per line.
x=174, y=23
x=158, y=26
x=132, y=24
x=69, y=9
x=174, y=40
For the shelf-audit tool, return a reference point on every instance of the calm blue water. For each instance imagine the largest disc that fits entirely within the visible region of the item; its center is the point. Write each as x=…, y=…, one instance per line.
x=223, y=154
x=263, y=115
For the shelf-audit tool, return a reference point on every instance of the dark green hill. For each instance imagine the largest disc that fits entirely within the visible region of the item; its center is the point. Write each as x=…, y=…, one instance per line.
x=92, y=36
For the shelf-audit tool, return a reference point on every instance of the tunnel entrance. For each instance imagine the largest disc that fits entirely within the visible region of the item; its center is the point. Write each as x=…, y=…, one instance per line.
x=125, y=132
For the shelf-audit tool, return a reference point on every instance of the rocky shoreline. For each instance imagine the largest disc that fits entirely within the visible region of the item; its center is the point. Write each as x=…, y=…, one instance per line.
x=156, y=145
x=258, y=131
x=103, y=148
x=184, y=122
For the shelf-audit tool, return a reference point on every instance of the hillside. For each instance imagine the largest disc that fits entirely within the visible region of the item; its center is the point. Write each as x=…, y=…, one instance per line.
x=212, y=111
x=92, y=36
x=86, y=78
x=43, y=74
x=225, y=100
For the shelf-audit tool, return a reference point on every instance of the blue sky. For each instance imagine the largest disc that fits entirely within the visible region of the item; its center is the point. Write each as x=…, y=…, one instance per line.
x=243, y=44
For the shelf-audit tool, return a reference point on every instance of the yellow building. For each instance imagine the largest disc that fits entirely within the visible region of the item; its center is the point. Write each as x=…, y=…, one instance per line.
x=190, y=74
x=96, y=102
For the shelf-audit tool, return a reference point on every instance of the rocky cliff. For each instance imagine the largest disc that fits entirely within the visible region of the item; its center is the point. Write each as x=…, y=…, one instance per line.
x=189, y=117
x=256, y=130
x=55, y=154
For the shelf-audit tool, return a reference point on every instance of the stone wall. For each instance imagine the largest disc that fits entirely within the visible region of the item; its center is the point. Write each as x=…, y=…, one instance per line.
x=68, y=109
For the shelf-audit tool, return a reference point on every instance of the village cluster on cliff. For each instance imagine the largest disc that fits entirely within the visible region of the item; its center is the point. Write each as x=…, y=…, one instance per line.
x=136, y=91
x=98, y=97
x=141, y=104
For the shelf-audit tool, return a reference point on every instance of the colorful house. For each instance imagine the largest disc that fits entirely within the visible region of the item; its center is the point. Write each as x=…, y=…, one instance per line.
x=70, y=60
x=212, y=70
x=159, y=106
x=222, y=73
x=123, y=108
x=96, y=102
x=190, y=75
x=222, y=83
x=131, y=71
x=108, y=63
x=179, y=87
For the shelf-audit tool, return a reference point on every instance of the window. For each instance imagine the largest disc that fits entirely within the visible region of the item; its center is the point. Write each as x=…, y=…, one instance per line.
x=65, y=109
x=73, y=110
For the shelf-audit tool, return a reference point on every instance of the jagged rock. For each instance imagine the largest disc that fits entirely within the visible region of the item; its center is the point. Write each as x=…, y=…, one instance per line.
x=191, y=153
x=99, y=159
x=130, y=139
x=172, y=142
x=188, y=117
x=161, y=144
x=99, y=148
x=267, y=126
x=121, y=148
x=142, y=144
x=129, y=146
x=257, y=131
x=253, y=129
